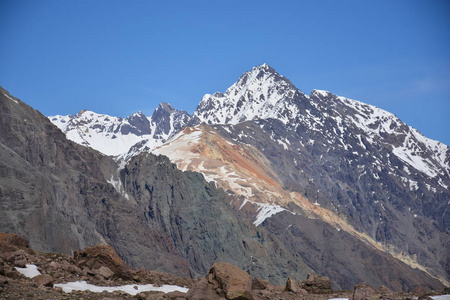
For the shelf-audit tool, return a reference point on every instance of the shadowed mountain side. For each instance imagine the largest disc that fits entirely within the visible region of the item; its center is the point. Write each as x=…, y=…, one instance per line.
x=342, y=257
x=49, y=185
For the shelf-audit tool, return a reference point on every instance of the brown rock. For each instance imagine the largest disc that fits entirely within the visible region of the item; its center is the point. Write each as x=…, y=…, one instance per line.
x=43, y=280
x=292, y=285
x=234, y=282
x=3, y=280
x=419, y=290
x=317, y=284
x=102, y=256
x=363, y=291
x=105, y=272
x=203, y=290
x=259, y=284
x=152, y=295
x=384, y=290
x=14, y=239
x=425, y=297
x=176, y=295
x=13, y=274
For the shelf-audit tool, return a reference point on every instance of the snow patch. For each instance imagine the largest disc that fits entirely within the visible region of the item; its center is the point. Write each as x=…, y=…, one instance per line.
x=29, y=271
x=17, y=102
x=131, y=289
x=266, y=211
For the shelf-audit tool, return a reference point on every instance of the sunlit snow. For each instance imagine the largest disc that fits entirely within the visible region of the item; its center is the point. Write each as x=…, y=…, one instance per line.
x=29, y=271
x=11, y=98
x=131, y=289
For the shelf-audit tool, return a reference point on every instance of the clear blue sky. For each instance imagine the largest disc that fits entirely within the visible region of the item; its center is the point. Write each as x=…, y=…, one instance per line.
x=118, y=57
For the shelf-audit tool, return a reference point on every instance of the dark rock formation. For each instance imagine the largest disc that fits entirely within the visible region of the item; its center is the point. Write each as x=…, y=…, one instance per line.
x=343, y=258
x=196, y=224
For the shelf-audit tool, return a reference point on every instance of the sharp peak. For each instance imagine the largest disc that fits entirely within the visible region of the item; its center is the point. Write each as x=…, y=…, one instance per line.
x=166, y=106
x=84, y=111
x=260, y=72
x=138, y=113
x=264, y=67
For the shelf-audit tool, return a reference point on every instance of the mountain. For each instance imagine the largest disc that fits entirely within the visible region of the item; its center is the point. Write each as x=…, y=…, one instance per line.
x=259, y=94
x=364, y=170
x=285, y=158
x=63, y=197
x=115, y=136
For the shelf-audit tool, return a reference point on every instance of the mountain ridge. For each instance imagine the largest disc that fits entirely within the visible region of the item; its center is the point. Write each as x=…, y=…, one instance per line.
x=351, y=158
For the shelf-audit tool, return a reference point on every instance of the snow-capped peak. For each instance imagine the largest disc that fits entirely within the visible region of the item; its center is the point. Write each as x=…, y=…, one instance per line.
x=115, y=135
x=254, y=96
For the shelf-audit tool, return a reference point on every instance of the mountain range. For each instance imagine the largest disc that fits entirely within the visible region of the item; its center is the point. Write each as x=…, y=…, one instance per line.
x=290, y=184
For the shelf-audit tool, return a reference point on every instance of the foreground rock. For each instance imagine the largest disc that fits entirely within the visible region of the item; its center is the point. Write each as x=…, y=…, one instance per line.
x=223, y=281
x=104, y=260
x=101, y=266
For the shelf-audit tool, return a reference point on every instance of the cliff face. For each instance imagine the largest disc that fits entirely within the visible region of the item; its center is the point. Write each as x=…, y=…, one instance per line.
x=50, y=186
x=199, y=223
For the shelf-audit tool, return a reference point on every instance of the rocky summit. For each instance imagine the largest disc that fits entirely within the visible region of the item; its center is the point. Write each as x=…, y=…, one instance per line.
x=276, y=182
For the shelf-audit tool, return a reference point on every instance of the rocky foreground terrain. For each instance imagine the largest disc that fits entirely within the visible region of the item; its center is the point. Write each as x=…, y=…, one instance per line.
x=101, y=266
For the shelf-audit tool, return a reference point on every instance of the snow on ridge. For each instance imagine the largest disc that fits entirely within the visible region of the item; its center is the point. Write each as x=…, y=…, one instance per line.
x=12, y=99
x=375, y=122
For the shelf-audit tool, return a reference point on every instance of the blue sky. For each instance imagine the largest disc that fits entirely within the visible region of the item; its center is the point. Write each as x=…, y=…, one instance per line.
x=118, y=57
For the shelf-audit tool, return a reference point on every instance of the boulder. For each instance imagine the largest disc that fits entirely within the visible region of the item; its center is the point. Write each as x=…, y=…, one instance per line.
x=105, y=272
x=259, y=284
x=292, y=285
x=418, y=290
x=317, y=285
x=363, y=291
x=14, y=240
x=203, y=290
x=102, y=256
x=43, y=280
x=176, y=295
x=425, y=297
x=224, y=281
x=384, y=290
x=152, y=295
x=234, y=282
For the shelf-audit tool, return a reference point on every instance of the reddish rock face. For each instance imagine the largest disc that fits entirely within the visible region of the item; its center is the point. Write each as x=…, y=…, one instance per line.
x=104, y=256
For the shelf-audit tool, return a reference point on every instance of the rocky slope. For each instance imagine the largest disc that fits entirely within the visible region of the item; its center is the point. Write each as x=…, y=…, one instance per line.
x=98, y=273
x=353, y=167
x=63, y=197
x=318, y=235
x=351, y=158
